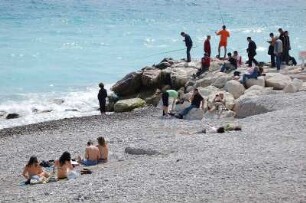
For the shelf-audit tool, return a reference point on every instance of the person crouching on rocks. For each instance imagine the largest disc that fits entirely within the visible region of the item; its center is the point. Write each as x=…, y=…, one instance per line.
x=103, y=149
x=92, y=155
x=166, y=94
x=205, y=63
x=34, y=171
x=229, y=65
x=197, y=101
x=102, y=98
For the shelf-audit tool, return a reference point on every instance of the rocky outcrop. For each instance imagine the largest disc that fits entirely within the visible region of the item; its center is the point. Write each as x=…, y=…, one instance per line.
x=235, y=88
x=195, y=114
x=277, y=81
x=128, y=104
x=128, y=85
x=151, y=77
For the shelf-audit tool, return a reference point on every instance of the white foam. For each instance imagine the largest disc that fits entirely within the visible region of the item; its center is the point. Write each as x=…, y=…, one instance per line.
x=34, y=108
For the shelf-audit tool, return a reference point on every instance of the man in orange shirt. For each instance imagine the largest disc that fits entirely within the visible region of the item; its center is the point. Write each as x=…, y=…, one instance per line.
x=224, y=34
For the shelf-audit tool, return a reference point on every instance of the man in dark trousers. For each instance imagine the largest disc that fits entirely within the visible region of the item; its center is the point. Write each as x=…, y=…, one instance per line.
x=188, y=43
x=271, y=49
x=251, y=50
x=102, y=98
x=207, y=48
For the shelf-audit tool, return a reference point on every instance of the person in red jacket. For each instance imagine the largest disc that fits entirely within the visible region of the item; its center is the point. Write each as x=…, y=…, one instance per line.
x=205, y=61
x=207, y=48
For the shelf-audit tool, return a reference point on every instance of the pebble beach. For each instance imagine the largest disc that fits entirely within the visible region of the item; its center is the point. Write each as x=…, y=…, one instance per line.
x=265, y=162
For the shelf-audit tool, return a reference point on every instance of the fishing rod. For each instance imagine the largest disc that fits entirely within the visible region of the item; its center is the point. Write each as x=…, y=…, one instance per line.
x=165, y=52
x=220, y=11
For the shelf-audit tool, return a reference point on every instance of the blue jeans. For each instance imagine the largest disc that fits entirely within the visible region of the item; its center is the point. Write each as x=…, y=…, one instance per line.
x=248, y=76
x=87, y=162
x=186, y=110
x=278, y=61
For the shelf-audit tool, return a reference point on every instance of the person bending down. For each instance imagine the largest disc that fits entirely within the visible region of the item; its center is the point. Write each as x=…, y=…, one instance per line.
x=92, y=155
x=34, y=171
x=197, y=101
x=103, y=149
x=165, y=99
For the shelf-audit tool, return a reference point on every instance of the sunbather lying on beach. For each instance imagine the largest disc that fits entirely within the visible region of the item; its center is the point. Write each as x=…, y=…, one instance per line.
x=34, y=171
x=92, y=155
x=103, y=148
x=212, y=129
x=63, y=165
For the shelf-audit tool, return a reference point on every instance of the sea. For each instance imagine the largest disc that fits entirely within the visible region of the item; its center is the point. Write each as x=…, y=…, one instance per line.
x=54, y=53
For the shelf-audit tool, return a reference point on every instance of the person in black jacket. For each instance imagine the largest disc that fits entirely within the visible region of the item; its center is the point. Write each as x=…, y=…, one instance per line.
x=188, y=43
x=251, y=52
x=102, y=98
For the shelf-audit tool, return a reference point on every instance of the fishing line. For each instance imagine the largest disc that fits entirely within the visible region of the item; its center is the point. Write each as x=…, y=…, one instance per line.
x=220, y=11
x=165, y=52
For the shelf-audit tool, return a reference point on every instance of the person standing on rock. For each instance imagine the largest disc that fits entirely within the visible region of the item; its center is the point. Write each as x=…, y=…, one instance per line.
x=188, y=43
x=102, y=98
x=251, y=50
x=224, y=34
x=271, y=49
x=207, y=48
x=197, y=101
x=278, y=52
x=286, y=47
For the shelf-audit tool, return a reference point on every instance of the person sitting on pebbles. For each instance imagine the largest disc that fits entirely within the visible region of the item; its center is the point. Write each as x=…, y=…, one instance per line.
x=92, y=155
x=34, y=171
x=103, y=149
x=63, y=166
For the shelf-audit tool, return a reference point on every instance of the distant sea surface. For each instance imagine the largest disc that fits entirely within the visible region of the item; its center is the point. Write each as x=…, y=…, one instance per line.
x=56, y=50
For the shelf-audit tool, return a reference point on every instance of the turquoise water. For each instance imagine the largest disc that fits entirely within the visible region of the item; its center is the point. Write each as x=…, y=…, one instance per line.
x=62, y=49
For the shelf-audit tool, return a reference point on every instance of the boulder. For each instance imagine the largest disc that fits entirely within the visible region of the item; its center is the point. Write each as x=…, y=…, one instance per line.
x=297, y=83
x=189, y=88
x=260, y=81
x=128, y=85
x=277, y=81
x=140, y=151
x=12, y=116
x=151, y=77
x=163, y=65
x=255, y=91
x=221, y=79
x=128, y=104
x=180, y=76
x=206, y=91
x=290, y=88
x=194, y=114
x=249, y=107
x=58, y=101
x=235, y=88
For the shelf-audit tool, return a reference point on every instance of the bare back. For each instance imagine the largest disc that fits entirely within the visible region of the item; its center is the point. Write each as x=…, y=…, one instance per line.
x=92, y=153
x=103, y=151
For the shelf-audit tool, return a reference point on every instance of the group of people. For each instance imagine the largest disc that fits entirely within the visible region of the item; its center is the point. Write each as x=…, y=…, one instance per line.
x=64, y=167
x=278, y=50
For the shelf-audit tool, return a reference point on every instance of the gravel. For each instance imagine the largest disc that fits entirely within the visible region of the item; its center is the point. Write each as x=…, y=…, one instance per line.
x=265, y=162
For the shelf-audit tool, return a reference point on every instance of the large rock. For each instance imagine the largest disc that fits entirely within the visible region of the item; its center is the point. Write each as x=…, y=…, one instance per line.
x=128, y=104
x=180, y=76
x=256, y=91
x=249, y=107
x=260, y=81
x=277, y=81
x=151, y=77
x=235, y=88
x=297, y=83
x=221, y=79
x=194, y=114
x=128, y=85
x=206, y=91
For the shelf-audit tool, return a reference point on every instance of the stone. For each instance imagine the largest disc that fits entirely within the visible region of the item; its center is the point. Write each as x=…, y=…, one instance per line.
x=128, y=104
x=260, y=81
x=290, y=88
x=297, y=83
x=221, y=79
x=206, y=91
x=58, y=101
x=140, y=151
x=277, y=81
x=195, y=114
x=249, y=107
x=128, y=85
x=189, y=88
x=12, y=116
x=235, y=88
x=151, y=77
x=180, y=76
x=163, y=65
x=255, y=91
